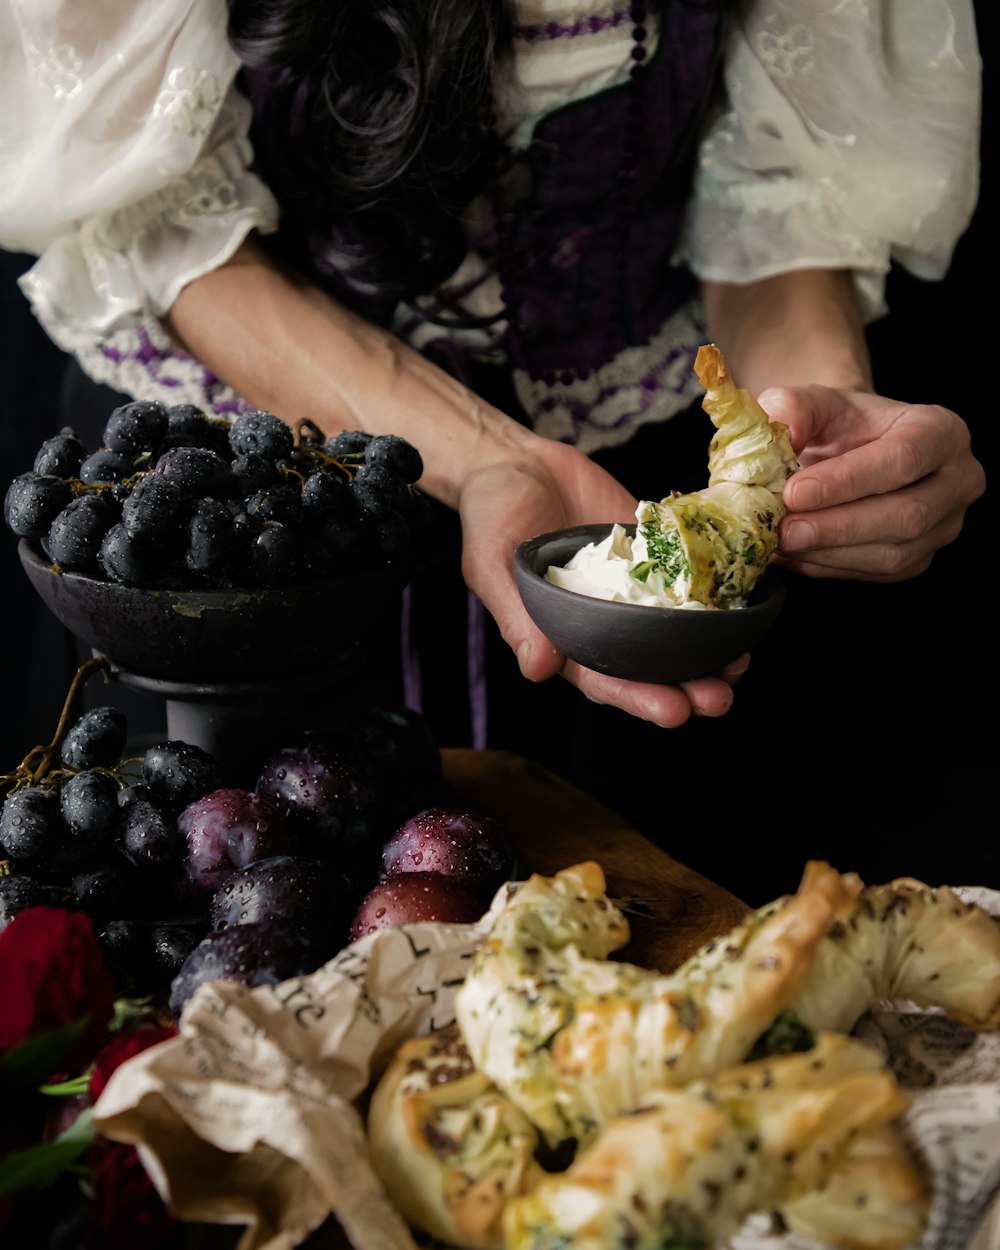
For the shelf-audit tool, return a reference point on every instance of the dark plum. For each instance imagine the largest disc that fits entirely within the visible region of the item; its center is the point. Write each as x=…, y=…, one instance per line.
x=453, y=841
x=308, y=892
x=331, y=799
x=178, y=773
x=225, y=831
x=96, y=739
x=414, y=897
x=399, y=745
x=265, y=953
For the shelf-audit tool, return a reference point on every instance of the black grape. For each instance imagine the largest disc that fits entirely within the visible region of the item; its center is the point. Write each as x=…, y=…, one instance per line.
x=31, y=826
x=197, y=471
x=122, y=559
x=18, y=892
x=105, y=467
x=147, y=836
x=178, y=773
x=395, y=452
x=60, y=455
x=153, y=508
x=89, y=806
x=136, y=427
x=170, y=945
x=209, y=535
x=262, y=433
x=96, y=739
x=33, y=501
x=75, y=536
x=347, y=442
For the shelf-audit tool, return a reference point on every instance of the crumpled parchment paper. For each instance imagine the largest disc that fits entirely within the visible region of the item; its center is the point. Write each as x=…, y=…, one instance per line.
x=249, y=1116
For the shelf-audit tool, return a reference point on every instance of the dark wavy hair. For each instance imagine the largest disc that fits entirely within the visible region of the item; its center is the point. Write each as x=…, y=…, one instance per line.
x=372, y=125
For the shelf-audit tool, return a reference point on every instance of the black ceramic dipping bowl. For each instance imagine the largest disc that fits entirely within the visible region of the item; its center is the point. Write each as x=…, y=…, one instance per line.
x=654, y=644
x=216, y=635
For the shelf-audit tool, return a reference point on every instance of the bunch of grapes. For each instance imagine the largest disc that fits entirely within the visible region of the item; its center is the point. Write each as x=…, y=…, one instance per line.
x=188, y=880
x=177, y=499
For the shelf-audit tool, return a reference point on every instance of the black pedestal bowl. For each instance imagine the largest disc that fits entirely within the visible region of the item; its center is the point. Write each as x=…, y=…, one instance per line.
x=240, y=669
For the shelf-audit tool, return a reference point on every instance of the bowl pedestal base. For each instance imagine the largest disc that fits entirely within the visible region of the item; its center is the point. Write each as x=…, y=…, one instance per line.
x=241, y=723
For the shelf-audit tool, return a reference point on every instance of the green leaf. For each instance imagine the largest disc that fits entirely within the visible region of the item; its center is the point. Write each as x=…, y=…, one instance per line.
x=128, y=1010
x=37, y=1166
x=75, y=1085
x=38, y=1057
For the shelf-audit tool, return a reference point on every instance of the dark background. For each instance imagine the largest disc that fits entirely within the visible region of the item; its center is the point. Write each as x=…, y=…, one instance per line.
x=890, y=772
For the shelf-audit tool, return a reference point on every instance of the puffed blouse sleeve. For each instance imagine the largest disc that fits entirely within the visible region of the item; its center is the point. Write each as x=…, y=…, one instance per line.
x=848, y=138
x=126, y=169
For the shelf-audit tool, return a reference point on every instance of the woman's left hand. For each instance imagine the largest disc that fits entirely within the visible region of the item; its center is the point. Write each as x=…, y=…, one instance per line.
x=883, y=484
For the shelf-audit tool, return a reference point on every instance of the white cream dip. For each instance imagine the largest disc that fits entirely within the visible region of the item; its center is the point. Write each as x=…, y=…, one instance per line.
x=604, y=571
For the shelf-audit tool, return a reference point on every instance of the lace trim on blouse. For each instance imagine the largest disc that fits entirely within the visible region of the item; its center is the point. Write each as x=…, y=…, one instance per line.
x=816, y=158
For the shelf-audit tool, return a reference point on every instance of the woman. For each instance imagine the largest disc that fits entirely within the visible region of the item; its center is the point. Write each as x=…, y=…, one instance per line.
x=496, y=230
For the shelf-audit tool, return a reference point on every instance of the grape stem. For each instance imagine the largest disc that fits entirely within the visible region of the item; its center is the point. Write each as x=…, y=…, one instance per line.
x=39, y=760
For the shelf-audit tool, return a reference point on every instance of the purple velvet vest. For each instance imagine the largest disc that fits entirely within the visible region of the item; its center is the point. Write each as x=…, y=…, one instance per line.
x=588, y=271
x=584, y=255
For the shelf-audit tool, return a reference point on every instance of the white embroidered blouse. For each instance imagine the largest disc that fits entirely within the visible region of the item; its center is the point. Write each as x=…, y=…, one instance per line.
x=849, y=139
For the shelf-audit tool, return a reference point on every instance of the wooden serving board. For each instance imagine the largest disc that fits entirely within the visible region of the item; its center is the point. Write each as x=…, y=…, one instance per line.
x=552, y=824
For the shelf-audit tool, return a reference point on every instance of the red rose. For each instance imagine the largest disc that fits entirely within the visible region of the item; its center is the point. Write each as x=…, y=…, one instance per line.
x=126, y=1212
x=121, y=1048
x=53, y=974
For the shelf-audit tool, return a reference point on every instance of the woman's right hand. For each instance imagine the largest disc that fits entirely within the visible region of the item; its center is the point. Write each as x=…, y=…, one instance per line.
x=509, y=500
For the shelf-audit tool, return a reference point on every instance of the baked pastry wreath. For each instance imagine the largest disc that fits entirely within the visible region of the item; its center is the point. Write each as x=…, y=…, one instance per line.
x=673, y=1129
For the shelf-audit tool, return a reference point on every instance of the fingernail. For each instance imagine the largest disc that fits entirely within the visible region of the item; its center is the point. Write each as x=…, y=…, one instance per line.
x=807, y=493
x=797, y=536
x=524, y=656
